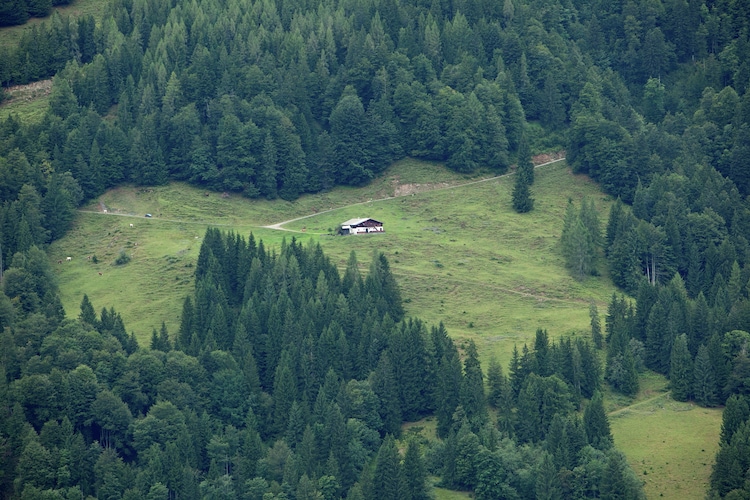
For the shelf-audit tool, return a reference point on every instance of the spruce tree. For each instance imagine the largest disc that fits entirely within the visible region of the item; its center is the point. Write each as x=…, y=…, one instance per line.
x=522, y=200
x=88, y=315
x=596, y=423
x=385, y=386
x=681, y=370
x=473, y=398
x=704, y=379
x=596, y=327
x=448, y=392
x=385, y=482
x=736, y=412
x=413, y=474
x=496, y=381
x=547, y=486
x=467, y=449
x=525, y=167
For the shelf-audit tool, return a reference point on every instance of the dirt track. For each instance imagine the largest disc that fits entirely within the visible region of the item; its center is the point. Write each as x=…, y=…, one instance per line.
x=547, y=160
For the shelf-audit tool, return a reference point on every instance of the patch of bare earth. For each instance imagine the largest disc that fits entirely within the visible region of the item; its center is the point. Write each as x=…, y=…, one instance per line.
x=411, y=188
x=28, y=92
x=547, y=157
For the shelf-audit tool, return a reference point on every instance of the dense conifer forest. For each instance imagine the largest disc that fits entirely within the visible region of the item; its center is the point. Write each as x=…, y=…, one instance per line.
x=272, y=388
x=287, y=380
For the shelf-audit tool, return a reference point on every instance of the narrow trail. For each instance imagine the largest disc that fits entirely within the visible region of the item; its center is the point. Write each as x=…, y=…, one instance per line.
x=279, y=225
x=634, y=406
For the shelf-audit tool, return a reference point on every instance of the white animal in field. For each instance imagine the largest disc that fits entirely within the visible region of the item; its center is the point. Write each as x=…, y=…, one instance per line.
x=68, y=258
x=105, y=210
x=131, y=225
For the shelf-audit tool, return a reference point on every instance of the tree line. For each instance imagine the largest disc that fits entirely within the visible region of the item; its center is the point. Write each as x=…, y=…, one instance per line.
x=279, y=100
x=286, y=380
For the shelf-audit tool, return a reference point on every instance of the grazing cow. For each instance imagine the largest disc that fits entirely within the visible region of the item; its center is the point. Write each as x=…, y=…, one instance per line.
x=59, y=261
x=105, y=210
x=100, y=274
x=131, y=225
x=68, y=258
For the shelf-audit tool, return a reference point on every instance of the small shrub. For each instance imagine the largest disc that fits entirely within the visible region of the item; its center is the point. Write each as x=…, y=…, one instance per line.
x=122, y=259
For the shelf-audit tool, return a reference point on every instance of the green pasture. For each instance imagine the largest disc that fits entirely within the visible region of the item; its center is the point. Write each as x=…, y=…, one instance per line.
x=459, y=252
x=670, y=445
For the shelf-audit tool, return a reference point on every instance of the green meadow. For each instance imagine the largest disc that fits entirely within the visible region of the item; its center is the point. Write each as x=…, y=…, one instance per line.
x=670, y=445
x=460, y=253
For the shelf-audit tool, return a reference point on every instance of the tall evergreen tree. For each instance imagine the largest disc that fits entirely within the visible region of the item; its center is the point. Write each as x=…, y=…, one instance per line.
x=596, y=327
x=472, y=398
x=681, y=370
x=522, y=200
x=704, y=380
x=413, y=474
x=596, y=423
x=385, y=480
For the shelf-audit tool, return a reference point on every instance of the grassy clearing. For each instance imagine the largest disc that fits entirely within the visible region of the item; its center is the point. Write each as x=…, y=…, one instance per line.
x=670, y=445
x=461, y=255
x=28, y=102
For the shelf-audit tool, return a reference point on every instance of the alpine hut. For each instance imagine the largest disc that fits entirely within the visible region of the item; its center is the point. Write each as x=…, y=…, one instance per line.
x=359, y=226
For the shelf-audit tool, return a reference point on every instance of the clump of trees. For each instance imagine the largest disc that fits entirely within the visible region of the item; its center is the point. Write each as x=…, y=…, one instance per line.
x=286, y=379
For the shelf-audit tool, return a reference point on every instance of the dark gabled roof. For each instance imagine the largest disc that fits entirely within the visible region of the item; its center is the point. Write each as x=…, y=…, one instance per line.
x=356, y=222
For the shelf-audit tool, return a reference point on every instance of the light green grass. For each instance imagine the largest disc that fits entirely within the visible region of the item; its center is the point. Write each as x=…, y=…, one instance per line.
x=29, y=111
x=670, y=445
x=461, y=256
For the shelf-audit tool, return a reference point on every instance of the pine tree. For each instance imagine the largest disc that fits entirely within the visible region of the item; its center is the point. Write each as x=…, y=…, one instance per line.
x=542, y=353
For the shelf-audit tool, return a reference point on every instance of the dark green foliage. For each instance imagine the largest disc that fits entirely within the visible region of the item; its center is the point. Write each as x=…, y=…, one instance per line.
x=596, y=328
x=621, y=370
x=387, y=470
x=596, y=423
x=522, y=200
x=413, y=474
x=735, y=414
x=704, y=379
x=540, y=399
x=681, y=370
x=472, y=397
x=581, y=239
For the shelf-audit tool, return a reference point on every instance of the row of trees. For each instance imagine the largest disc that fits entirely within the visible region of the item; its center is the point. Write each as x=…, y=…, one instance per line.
x=285, y=100
x=283, y=382
x=19, y=11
